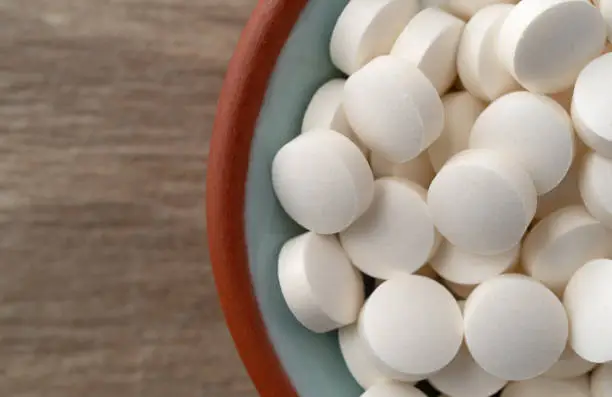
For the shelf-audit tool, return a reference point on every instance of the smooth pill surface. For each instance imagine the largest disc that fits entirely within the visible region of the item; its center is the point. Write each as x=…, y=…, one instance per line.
x=595, y=187
x=412, y=325
x=523, y=126
x=605, y=6
x=541, y=387
x=393, y=389
x=587, y=301
x=320, y=286
x=466, y=9
x=479, y=68
x=367, y=29
x=569, y=366
x=545, y=44
x=567, y=192
x=325, y=111
x=396, y=235
x=323, y=181
x=418, y=170
x=482, y=202
x=464, y=378
x=591, y=105
x=393, y=108
x=461, y=109
x=561, y=243
x=515, y=327
x=361, y=363
x=462, y=267
x=601, y=381
x=430, y=42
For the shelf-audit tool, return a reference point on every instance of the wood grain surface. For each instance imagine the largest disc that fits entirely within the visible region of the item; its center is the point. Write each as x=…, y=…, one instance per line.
x=106, y=108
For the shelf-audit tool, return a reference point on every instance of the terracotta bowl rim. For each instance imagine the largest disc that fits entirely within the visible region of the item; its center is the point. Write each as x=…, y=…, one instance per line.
x=239, y=104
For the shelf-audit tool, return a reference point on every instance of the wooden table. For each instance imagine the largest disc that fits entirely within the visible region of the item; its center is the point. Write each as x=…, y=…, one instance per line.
x=105, y=114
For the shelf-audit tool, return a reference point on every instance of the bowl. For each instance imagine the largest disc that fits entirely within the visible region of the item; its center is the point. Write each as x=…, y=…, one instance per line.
x=281, y=59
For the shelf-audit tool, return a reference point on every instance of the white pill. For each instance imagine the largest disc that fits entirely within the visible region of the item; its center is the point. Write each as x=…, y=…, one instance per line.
x=362, y=364
x=393, y=389
x=461, y=109
x=560, y=244
x=570, y=365
x=590, y=105
x=425, y=271
x=460, y=290
x=462, y=267
x=566, y=193
x=320, y=286
x=544, y=387
x=605, y=6
x=466, y=9
x=325, y=111
x=367, y=29
x=323, y=181
x=463, y=377
x=479, y=68
x=522, y=126
x=418, y=170
x=515, y=327
x=601, y=381
x=595, y=187
x=430, y=42
x=412, y=325
x=393, y=108
x=545, y=44
x=482, y=202
x=396, y=234
x=587, y=301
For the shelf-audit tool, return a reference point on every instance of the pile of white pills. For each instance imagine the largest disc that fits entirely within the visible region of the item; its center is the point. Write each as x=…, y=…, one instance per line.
x=463, y=165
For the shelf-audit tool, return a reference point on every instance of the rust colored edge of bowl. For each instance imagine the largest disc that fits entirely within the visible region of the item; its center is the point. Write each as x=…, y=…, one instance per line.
x=241, y=98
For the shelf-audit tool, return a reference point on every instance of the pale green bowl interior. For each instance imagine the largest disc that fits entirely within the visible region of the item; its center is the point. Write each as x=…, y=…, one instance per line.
x=313, y=362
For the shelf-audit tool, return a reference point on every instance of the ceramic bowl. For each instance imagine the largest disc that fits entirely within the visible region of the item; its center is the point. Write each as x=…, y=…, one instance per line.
x=282, y=58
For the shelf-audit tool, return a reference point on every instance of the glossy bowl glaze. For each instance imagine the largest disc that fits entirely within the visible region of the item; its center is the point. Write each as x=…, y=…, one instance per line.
x=282, y=58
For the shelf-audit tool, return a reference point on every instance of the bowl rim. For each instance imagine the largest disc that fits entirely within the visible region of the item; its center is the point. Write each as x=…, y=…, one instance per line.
x=240, y=101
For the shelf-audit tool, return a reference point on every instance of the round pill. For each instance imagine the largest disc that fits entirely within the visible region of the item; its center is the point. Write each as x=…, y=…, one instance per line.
x=418, y=170
x=425, y=271
x=482, y=202
x=595, y=187
x=393, y=108
x=590, y=105
x=395, y=235
x=480, y=71
x=587, y=301
x=393, y=389
x=360, y=362
x=601, y=381
x=467, y=9
x=522, y=126
x=318, y=282
x=541, y=51
x=461, y=109
x=367, y=29
x=569, y=366
x=323, y=181
x=462, y=267
x=541, y=386
x=412, y=325
x=605, y=6
x=566, y=193
x=561, y=243
x=464, y=378
x=325, y=111
x=430, y=42
x=515, y=327
x=460, y=290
